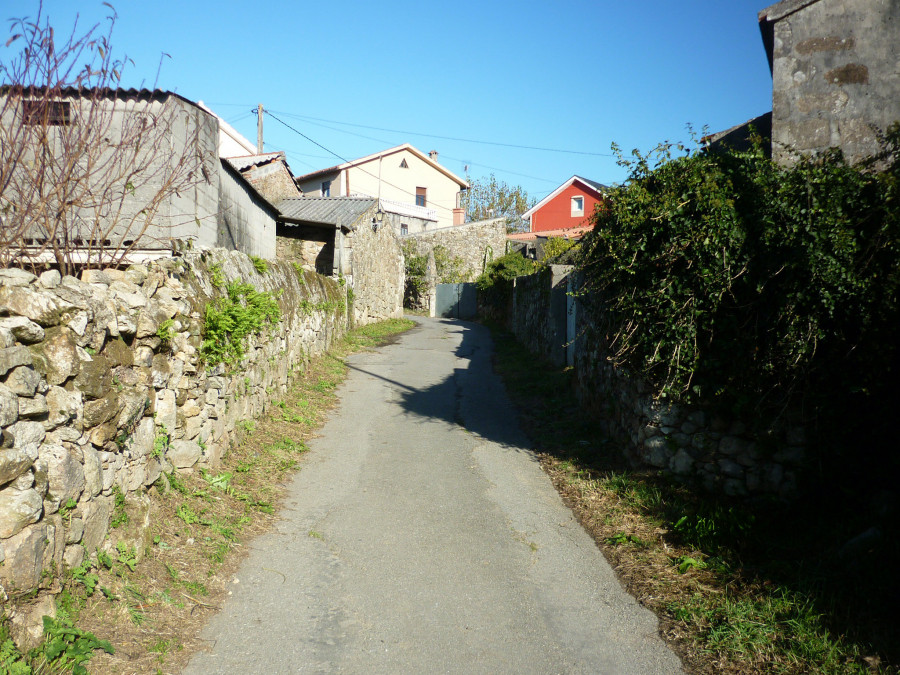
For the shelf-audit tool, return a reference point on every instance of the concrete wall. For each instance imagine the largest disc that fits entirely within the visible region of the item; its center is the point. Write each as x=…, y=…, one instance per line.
x=836, y=77
x=87, y=386
x=474, y=243
x=245, y=221
x=313, y=187
x=123, y=191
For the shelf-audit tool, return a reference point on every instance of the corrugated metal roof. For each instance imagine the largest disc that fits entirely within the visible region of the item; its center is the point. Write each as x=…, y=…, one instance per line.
x=246, y=161
x=326, y=210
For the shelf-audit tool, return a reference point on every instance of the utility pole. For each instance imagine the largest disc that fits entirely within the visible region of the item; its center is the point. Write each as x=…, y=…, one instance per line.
x=259, y=129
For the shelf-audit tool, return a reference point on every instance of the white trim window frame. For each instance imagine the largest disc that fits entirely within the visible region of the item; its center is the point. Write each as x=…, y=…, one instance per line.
x=577, y=206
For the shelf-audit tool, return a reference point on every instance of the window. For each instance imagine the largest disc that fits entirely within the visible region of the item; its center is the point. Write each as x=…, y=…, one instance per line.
x=326, y=188
x=403, y=164
x=420, y=196
x=577, y=206
x=404, y=228
x=40, y=112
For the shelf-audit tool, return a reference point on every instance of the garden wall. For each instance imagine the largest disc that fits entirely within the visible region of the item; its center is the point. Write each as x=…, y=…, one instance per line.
x=727, y=455
x=474, y=244
x=103, y=390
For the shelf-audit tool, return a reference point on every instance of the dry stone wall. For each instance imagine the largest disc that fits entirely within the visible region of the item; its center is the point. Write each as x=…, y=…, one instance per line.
x=474, y=243
x=94, y=372
x=737, y=457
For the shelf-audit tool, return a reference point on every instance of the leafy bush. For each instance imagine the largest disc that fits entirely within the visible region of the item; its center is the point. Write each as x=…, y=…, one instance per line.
x=727, y=277
x=495, y=283
x=416, y=271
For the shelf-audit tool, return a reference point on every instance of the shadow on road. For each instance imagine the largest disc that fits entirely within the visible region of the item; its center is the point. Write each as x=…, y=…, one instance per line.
x=472, y=397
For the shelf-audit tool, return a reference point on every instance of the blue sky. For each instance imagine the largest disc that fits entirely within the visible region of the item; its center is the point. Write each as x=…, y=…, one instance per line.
x=358, y=77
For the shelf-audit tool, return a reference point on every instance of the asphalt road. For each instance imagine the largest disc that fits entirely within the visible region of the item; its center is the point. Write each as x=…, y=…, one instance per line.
x=421, y=536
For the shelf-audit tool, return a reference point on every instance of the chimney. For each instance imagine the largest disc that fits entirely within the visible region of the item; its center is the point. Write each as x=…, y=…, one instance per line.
x=433, y=155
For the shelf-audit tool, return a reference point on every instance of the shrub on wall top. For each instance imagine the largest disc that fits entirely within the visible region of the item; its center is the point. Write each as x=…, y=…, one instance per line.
x=726, y=276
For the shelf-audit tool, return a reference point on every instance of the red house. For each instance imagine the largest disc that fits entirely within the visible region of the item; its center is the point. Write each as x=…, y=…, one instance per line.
x=568, y=207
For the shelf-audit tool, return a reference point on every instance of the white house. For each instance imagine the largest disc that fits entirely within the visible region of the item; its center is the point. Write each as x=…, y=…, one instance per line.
x=406, y=181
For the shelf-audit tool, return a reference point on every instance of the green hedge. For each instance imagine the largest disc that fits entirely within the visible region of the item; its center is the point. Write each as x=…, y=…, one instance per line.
x=728, y=278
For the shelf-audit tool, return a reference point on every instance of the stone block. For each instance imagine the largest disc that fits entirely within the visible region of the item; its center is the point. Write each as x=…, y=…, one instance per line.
x=141, y=442
x=65, y=475
x=13, y=357
x=9, y=406
x=75, y=530
x=682, y=463
x=95, y=515
x=64, y=407
x=56, y=357
x=34, y=408
x=656, y=451
x=102, y=410
x=94, y=376
x=23, y=329
x=43, y=307
x=23, y=381
x=25, y=557
x=18, y=509
x=13, y=276
x=50, y=279
x=166, y=410
x=93, y=473
x=13, y=463
x=183, y=454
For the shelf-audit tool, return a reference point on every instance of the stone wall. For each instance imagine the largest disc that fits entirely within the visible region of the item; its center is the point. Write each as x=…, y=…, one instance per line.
x=89, y=384
x=724, y=454
x=474, y=243
x=836, y=78
x=377, y=273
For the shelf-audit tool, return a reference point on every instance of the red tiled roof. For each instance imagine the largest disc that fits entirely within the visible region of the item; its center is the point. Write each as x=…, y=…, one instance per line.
x=568, y=233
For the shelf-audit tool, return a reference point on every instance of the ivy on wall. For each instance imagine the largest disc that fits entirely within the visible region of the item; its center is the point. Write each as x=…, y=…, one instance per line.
x=726, y=276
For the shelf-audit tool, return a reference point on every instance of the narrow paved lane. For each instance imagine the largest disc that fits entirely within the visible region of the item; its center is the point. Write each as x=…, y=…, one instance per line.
x=422, y=537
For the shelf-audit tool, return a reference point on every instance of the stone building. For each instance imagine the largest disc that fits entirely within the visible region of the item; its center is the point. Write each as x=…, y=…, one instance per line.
x=349, y=238
x=835, y=74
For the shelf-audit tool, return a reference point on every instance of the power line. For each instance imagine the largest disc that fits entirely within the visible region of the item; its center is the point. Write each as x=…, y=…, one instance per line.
x=452, y=138
x=455, y=159
x=347, y=161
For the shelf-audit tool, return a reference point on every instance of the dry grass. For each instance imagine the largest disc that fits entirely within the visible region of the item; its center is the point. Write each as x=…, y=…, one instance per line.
x=738, y=588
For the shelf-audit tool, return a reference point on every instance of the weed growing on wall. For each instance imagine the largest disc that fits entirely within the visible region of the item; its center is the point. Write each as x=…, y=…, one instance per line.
x=495, y=283
x=260, y=265
x=229, y=321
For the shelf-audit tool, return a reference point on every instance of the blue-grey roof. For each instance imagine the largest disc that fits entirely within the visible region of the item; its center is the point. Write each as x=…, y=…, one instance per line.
x=326, y=210
x=598, y=186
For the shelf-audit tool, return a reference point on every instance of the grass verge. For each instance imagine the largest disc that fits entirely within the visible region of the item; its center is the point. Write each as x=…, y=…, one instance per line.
x=151, y=599
x=739, y=587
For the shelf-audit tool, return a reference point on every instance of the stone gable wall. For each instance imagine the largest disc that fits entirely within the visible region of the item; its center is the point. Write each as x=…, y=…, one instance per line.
x=836, y=82
x=377, y=273
x=87, y=385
